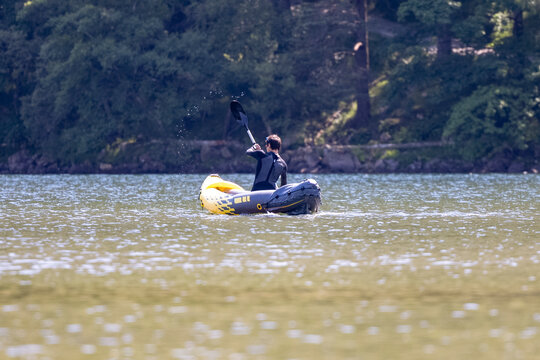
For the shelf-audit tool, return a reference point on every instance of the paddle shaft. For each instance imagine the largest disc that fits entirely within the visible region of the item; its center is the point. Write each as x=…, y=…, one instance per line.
x=251, y=136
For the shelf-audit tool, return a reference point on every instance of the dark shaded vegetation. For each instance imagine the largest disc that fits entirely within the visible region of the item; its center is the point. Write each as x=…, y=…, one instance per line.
x=82, y=81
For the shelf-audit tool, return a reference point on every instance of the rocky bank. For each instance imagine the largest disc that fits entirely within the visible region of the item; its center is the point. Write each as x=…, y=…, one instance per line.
x=228, y=157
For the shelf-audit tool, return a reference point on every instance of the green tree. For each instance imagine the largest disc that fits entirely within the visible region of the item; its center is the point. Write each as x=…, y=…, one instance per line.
x=426, y=93
x=77, y=75
x=334, y=74
x=241, y=50
x=17, y=69
x=495, y=118
x=104, y=73
x=434, y=17
x=503, y=114
x=8, y=11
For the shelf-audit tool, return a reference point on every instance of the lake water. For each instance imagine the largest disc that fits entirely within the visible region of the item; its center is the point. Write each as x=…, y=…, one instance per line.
x=394, y=266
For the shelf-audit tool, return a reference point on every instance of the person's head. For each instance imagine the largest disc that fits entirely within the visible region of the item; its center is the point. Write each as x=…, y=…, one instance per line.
x=273, y=141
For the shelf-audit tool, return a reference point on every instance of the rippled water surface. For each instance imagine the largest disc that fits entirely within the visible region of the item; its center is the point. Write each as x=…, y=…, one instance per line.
x=394, y=266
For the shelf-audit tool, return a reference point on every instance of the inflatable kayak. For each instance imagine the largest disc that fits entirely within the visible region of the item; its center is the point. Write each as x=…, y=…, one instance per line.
x=224, y=197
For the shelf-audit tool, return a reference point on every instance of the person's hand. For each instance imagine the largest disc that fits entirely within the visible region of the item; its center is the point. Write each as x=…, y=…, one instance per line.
x=257, y=147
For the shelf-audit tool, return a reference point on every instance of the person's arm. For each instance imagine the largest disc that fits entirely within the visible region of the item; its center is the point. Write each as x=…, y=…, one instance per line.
x=284, y=176
x=256, y=152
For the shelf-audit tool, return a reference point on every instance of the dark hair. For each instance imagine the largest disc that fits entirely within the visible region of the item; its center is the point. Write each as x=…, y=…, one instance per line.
x=274, y=141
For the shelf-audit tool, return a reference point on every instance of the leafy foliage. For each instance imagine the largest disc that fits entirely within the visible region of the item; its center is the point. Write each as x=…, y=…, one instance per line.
x=104, y=74
x=17, y=72
x=493, y=119
x=429, y=12
x=78, y=76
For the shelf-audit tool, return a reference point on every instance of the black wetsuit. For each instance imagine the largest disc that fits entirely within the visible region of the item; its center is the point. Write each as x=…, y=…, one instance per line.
x=270, y=167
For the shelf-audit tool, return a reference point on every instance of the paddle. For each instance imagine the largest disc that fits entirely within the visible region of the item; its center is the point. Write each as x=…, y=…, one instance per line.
x=240, y=115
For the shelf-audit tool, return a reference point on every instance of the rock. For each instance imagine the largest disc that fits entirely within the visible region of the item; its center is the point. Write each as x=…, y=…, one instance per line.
x=385, y=166
x=432, y=166
x=105, y=167
x=366, y=167
x=84, y=168
x=226, y=153
x=340, y=160
x=229, y=157
x=438, y=166
x=494, y=166
x=302, y=160
x=415, y=167
x=465, y=166
x=19, y=162
x=44, y=165
x=379, y=166
x=516, y=167
x=392, y=165
x=498, y=163
x=153, y=167
x=147, y=164
x=447, y=166
x=207, y=153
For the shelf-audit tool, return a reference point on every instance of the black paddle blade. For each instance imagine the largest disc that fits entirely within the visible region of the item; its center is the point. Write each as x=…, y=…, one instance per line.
x=239, y=113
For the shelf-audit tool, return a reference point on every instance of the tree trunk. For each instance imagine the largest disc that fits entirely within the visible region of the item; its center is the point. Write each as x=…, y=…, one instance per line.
x=521, y=60
x=444, y=42
x=518, y=24
x=361, y=54
x=282, y=4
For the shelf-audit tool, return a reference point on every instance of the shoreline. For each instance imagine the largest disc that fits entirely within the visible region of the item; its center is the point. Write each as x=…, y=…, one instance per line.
x=218, y=156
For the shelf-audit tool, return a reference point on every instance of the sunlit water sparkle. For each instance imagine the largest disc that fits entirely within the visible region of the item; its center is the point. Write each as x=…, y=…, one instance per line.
x=130, y=266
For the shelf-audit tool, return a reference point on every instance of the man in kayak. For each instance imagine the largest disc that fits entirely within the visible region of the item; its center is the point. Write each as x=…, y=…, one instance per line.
x=270, y=166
